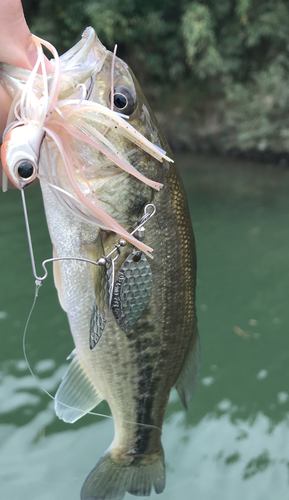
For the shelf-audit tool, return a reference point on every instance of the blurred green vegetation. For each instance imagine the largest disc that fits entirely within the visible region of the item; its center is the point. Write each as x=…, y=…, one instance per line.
x=229, y=58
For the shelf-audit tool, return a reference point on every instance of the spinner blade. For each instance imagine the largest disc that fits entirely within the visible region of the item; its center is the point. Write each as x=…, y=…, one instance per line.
x=101, y=308
x=97, y=325
x=132, y=290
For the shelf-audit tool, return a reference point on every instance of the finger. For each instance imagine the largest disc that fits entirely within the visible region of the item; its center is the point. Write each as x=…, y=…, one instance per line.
x=15, y=36
x=16, y=48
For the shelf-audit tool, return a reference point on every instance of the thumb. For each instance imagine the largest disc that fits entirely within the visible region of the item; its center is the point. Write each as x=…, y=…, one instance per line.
x=16, y=48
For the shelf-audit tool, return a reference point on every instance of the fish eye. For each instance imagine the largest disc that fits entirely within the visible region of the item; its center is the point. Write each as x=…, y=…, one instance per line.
x=25, y=170
x=123, y=100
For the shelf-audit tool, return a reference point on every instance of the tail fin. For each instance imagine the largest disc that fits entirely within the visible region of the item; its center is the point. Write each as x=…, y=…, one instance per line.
x=111, y=479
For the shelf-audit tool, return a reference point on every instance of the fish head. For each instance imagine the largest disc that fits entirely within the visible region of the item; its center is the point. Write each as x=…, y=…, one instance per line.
x=123, y=196
x=115, y=81
x=103, y=157
x=20, y=154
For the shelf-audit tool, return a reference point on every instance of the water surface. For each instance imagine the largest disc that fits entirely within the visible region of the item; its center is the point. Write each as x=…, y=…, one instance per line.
x=233, y=441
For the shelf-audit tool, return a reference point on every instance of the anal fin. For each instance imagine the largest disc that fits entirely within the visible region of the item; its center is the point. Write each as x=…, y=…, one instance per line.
x=76, y=394
x=187, y=380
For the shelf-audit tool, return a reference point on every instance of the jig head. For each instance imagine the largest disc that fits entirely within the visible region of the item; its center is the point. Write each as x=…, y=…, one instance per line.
x=20, y=154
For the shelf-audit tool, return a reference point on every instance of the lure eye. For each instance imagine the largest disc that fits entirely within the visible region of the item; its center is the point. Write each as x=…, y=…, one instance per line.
x=25, y=170
x=123, y=100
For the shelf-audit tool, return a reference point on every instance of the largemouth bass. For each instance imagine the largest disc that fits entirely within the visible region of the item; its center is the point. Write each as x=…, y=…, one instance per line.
x=111, y=195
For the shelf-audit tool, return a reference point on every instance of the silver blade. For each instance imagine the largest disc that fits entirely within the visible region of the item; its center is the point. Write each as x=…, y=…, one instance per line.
x=132, y=290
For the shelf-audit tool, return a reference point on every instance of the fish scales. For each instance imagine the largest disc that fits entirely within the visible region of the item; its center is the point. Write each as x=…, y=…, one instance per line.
x=133, y=370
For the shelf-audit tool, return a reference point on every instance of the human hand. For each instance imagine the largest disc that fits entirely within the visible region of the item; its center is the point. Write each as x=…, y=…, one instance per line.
x=16, y=48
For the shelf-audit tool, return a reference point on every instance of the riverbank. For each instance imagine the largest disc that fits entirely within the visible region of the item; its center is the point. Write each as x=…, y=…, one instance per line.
x=210, y=134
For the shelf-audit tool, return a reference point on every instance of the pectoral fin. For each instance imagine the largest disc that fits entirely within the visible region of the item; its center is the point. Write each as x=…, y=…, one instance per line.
x=188, y=377
x=76, y=395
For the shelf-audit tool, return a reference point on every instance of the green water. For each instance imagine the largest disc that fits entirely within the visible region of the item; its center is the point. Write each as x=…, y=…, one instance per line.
x=233, y=442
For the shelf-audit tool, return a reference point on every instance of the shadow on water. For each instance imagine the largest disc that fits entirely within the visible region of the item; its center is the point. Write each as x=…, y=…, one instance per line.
x=233, y=441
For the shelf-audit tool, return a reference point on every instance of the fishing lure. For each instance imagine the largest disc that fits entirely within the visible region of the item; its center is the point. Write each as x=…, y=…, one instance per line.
x=37, y=114
x=31, y=120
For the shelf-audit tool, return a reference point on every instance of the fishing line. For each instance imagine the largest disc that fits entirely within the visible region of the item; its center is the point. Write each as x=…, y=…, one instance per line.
x=112, y=85
x=37, y=286
x=38, y=282
x=112, y=78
